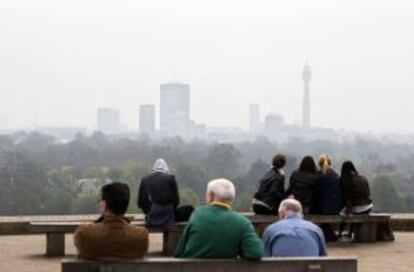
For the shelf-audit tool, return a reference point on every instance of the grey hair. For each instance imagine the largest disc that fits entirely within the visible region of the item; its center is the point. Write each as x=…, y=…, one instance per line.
x=223, y=189
x=291, y=205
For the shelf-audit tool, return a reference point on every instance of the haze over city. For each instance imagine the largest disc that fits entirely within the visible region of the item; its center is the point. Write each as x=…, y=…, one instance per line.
x=62, y=61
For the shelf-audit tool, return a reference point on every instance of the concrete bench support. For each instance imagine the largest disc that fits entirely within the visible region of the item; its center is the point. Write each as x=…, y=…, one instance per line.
x=328, y=264
x=365, y=232
x=55, y=244
x=170, y=242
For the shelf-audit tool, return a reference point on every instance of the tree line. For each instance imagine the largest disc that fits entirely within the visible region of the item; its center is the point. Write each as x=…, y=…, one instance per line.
x=40, y=175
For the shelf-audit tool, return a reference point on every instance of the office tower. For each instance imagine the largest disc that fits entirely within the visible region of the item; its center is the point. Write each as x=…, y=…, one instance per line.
x=109, y=121
x=273, y=124
x=147, y=119
x=254, y=118
x=306, y=107
x=175, y=109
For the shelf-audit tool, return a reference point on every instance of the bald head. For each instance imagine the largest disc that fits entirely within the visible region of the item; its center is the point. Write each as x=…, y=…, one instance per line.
x=290, y=206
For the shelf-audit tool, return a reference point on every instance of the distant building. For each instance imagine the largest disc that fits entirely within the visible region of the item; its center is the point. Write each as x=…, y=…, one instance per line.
x=306, y=107
x=175, y=109
x=274, y=124
x=254, y=118
x=109, y=121
x=147, y=119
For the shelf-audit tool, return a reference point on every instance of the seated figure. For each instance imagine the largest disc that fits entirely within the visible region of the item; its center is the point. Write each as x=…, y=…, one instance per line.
x=271, y=188
x=293, y=236
x=158, y=198
x=216, y=231
x=112, y=235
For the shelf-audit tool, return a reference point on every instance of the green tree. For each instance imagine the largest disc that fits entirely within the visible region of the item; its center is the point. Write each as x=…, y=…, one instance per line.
x=189, y=197
x=385, y=194
x=243, y=202
x=223, y=161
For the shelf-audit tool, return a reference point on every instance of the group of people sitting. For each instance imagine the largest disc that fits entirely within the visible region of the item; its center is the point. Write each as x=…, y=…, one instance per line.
x=214, y=230
x=320, y=190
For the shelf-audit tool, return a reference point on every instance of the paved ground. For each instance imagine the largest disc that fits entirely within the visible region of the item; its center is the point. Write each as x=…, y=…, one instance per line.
x=25, y=253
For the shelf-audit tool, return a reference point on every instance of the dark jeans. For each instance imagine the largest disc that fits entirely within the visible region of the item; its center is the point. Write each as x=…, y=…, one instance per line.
x=263, y=210
x=182, y=214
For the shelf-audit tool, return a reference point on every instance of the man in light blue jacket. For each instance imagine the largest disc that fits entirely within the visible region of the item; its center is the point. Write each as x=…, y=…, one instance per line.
x=293, y=236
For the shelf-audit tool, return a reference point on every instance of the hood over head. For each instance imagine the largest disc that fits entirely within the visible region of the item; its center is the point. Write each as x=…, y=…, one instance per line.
x=161, y=166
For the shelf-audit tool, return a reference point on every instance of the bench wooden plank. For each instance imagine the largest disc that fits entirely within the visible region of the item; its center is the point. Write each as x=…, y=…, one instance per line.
x=326, y=264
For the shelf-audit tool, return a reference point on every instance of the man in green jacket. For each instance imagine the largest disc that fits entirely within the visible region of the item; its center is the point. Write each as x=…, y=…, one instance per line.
x=216, y=231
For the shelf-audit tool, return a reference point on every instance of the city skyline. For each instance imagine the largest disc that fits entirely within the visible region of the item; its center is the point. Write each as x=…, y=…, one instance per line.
x=60, y=62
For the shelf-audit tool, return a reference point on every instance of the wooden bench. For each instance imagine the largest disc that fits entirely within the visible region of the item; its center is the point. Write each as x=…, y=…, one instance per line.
x=366, y=230
x=325, y=264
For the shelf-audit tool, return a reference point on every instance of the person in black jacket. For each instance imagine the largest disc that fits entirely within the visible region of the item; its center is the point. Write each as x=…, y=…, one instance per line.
x=328, y=196
x=158, y=198
x=271, y=189
x=303, y=183
x=355, y=190
x=356, y=194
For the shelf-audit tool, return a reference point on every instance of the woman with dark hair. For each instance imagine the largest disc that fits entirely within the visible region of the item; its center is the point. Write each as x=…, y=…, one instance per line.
x=356, y=194
x=355, y=190
x=303, y=182
x=271, y=188
x=328, y=196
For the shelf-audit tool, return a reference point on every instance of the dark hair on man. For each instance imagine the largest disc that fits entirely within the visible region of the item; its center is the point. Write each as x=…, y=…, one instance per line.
x=348, y=169
x=308, y=165
x=279, y=161
x=116, y=195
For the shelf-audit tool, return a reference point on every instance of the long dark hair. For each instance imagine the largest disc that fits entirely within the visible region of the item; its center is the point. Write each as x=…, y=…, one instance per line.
x=348, y=170
x=308, y=165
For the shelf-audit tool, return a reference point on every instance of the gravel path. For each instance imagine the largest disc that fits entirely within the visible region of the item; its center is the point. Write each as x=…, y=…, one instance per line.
x=25, y=253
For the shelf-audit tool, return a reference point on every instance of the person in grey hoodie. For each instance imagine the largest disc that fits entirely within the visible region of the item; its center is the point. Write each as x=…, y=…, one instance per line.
x=158, y=198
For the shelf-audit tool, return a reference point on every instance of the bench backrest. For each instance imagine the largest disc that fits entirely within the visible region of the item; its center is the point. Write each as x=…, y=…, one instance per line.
x=259, y=221
x=326, y=264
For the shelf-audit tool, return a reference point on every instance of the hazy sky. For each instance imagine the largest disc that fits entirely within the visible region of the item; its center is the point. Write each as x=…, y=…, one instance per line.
x=60, y=60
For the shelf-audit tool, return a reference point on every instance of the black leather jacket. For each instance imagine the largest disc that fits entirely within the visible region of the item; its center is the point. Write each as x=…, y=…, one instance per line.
x=271, y=189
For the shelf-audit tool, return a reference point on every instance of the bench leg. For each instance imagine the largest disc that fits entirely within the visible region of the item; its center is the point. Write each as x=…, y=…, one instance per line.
x=365, y=233
x=170, y=242
x=55, y=244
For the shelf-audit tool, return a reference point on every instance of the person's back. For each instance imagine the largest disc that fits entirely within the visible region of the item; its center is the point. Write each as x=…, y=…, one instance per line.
x=292, y=236
x=271, y=192
x=158, y=198
x=160, y=188
x=215, y=231
x=355, y=189
x=271, y=188
x=328, y=196
x=112, y=235
x=302, y=186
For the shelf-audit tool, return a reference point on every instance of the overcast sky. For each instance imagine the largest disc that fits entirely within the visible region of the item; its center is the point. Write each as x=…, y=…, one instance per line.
x=60, y=60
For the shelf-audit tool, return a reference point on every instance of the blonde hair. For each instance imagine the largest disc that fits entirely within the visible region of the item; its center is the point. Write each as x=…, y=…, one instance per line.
x=325, y=163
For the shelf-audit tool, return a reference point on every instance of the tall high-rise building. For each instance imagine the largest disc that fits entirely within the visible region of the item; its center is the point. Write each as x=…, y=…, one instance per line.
x=175, y=109
x=306, y=107
x=109, y=121
x=254, y=118
x=273, y=124
x=147, y=119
